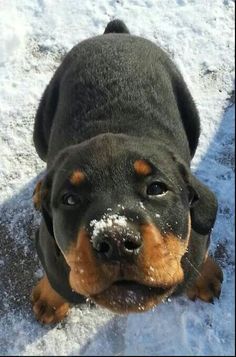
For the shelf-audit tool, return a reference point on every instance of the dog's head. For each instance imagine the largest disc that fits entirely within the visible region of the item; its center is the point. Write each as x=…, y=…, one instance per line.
x=120, y=212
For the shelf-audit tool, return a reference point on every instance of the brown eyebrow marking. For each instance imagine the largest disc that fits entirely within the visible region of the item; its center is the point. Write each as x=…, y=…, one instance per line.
x=142, y=167
x=77, y=177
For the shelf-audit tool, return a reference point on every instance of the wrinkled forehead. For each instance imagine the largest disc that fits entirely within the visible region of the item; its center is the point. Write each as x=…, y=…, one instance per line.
x=114, y=157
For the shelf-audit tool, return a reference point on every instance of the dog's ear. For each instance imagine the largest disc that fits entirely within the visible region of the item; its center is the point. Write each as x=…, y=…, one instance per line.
x=203, y=209
x=202, y=202
x=41, y=200
x=42, y=192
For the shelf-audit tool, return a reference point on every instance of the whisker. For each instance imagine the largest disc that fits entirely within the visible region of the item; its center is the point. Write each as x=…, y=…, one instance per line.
x=185, y=257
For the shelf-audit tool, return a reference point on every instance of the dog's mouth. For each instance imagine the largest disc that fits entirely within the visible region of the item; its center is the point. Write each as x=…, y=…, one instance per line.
x=136, y=287
x=130, y=296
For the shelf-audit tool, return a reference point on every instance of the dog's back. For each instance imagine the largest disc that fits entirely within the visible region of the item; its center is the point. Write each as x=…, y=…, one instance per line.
x=121, y=84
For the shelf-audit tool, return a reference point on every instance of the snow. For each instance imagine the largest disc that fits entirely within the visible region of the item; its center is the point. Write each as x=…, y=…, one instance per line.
x=13, y=32
x=34, y=37
x=142, y=205
x=107, y=221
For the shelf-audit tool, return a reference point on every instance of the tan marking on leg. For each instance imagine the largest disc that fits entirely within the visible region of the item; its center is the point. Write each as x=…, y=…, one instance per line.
x=48, y=305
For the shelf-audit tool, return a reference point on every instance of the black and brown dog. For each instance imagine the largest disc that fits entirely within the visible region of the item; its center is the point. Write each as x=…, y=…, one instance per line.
x=125, y=222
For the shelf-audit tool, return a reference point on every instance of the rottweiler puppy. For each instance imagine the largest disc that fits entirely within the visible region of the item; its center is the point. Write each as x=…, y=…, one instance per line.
x=124, y=221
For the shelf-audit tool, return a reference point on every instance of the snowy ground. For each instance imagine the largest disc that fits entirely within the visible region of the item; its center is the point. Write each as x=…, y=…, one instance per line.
x=34, y=36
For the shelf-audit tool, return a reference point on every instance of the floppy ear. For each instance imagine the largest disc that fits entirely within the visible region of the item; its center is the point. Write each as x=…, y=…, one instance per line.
x=202, y=201
x=41, y=201
x=204, y=210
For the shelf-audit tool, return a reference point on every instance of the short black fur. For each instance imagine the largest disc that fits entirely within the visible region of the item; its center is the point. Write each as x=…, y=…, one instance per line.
x=121, y=93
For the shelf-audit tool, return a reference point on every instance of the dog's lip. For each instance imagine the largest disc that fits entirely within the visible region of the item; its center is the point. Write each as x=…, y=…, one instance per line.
x=125, y=296
x=133, y=292
x=134, y=285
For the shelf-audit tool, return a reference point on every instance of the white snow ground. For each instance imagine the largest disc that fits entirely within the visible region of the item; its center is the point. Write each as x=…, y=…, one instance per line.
x=34, y=36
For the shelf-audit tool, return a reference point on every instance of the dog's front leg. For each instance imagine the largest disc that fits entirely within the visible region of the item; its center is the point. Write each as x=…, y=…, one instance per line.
x=207, y=285
x=48, y=305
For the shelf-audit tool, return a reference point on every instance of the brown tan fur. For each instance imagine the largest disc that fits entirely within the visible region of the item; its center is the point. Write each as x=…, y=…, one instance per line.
x=159, y=262
x=208, y=284
x=158, y=265
x=88, y=276
x=142, y=167
x=77, y=177
x=37, y=196
x=48, y=305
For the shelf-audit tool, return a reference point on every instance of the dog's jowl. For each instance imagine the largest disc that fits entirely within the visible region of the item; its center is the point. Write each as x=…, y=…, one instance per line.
x=124, y=221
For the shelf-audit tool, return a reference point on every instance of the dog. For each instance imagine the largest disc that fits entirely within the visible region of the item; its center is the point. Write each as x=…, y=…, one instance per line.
x=124, y=221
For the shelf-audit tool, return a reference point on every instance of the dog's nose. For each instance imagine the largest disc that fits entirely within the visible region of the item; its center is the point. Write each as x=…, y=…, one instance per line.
x=116, y=246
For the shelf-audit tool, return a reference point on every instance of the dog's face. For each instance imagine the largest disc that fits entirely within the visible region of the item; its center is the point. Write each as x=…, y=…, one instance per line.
x=119, y=213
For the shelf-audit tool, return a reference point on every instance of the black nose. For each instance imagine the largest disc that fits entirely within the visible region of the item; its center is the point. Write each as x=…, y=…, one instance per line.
x=116, y=245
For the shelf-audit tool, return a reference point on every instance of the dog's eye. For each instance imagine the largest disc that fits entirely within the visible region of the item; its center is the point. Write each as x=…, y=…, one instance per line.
x=156, y=188
x=70, y=200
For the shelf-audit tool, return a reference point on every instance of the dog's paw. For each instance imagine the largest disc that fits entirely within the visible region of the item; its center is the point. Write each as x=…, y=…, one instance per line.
x=48, y=306
x=207, y=286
